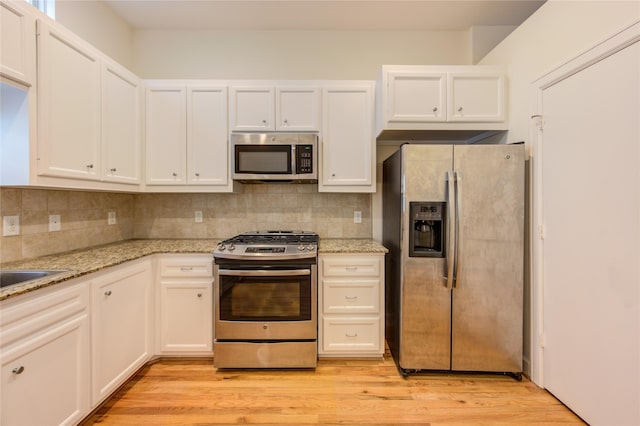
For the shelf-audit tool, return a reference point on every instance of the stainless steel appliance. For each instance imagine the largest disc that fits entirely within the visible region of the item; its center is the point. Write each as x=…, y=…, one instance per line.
x=279, y=157
x=265, y=293
x=453, y=223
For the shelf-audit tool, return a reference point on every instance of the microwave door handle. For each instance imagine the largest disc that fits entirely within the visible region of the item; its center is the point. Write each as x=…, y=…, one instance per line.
x=264, y=273
x=294, y=170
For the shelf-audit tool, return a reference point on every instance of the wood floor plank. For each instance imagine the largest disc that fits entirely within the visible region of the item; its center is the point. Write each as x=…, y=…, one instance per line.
x=337, y=392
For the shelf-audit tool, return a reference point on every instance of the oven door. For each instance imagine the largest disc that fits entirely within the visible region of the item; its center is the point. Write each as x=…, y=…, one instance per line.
x=265, y=302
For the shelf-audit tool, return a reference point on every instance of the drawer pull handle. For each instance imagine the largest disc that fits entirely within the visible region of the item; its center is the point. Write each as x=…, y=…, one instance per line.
x=351, y=268
x=187, y=268
x=351, y=335
x=351, y=297
x=107, y=293
x=18, y=370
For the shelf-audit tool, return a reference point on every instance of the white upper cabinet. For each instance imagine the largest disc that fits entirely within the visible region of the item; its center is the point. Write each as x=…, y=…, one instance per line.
x=88, y=115
x=298, y=109
x=348, y=144
x=17, y=42
x=121, y=123
x=475, y=96
x=252, y=108
x=166, y=135
x=68, y=105
x=187, y=137
x=416, y=97
x=207, y=147
x=268, y=108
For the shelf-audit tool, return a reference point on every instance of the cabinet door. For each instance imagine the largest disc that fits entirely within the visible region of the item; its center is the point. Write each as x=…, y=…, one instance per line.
x=120, y=327
x=186, y=316
x=17, y=43
x=207, y=146
x=166, y=135
x=120, y=125
x=45, y=379
x=476, y=97
x=251, y=108
x=68, y=105
x=416, y=97
x=348, y=144
x=298, y=109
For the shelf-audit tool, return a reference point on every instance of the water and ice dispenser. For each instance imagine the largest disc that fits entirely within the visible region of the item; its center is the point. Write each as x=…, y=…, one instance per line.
x=427, y=232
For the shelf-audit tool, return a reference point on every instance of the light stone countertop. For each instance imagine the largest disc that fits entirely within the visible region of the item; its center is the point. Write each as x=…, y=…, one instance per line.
x=350, y=245
x=85, y=261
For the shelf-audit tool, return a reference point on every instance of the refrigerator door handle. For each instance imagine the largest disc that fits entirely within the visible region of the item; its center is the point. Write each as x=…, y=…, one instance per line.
x=458, y=234
x=450, y=238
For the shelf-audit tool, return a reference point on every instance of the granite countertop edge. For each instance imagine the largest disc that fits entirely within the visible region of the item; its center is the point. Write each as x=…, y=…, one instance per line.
x=78, y=263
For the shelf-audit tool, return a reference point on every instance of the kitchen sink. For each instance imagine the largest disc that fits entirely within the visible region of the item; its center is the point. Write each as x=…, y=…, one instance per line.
x=8, y=278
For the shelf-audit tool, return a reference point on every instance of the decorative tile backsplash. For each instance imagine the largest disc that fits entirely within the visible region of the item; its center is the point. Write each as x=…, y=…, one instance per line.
x=83, y=220
x=84, y=214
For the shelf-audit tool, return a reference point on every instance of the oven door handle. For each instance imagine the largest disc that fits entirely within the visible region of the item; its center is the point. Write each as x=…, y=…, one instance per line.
x=264, y=273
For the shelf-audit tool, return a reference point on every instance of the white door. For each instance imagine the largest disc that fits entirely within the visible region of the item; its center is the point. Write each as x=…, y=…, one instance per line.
x=475, y=96
x=186, y=314
x=416, y=97
x=348, y=144
x=166, y=136
x=251, y=108
x=120, y=333
x=298, y=109
x=120, y=125
x=590, y=169
x=68, y=105
x=207, y=146
x=17, y=43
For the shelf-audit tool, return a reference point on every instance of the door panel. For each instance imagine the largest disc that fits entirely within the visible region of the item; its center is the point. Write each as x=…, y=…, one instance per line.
x=591, y=246
x=425, y=326
x=488, y=297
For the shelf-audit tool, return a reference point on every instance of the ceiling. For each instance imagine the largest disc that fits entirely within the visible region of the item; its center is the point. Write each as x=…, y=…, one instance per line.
x=322, y=14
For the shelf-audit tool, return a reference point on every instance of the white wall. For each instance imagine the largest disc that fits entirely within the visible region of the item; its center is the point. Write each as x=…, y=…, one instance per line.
x=556, y=33
x=291, y=55
x=99, y=25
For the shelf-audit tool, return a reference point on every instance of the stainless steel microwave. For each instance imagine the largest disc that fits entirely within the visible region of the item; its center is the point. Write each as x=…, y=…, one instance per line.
x=275, y=157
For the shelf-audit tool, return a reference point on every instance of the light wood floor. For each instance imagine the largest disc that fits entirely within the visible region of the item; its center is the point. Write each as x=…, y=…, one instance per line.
x=193, y=392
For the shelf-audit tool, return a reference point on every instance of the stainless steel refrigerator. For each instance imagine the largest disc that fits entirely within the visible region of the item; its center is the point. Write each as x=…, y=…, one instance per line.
x=453, y=221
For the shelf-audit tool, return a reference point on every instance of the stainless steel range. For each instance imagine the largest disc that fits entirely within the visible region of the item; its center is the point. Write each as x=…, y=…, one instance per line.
x=265, y=297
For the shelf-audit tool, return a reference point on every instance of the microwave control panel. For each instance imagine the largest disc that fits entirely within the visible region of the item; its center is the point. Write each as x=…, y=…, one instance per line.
x=304, y=159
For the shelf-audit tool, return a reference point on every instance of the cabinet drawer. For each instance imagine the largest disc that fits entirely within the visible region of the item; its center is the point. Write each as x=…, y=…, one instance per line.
x=351, y=266
x=351, y=334
x=186, y=266
x=33, y=313
x=351, y=296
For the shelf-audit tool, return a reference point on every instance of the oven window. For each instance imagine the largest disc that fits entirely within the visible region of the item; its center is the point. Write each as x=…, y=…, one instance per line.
x=265, y=299
x=265, y=159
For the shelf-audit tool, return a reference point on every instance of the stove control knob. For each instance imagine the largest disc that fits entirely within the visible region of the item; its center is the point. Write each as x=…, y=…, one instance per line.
x=232, y=247
x=300, y=247
x=221, y=247
x=310, y=247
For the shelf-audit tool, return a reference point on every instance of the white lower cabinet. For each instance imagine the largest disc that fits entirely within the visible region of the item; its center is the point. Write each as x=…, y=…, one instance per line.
x=351, y=299
x=120, y=326
x=44, y=344
x=185, y=309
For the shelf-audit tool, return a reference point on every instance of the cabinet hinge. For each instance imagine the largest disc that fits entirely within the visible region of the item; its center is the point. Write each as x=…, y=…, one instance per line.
x=542, y=342
x=541, y=230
